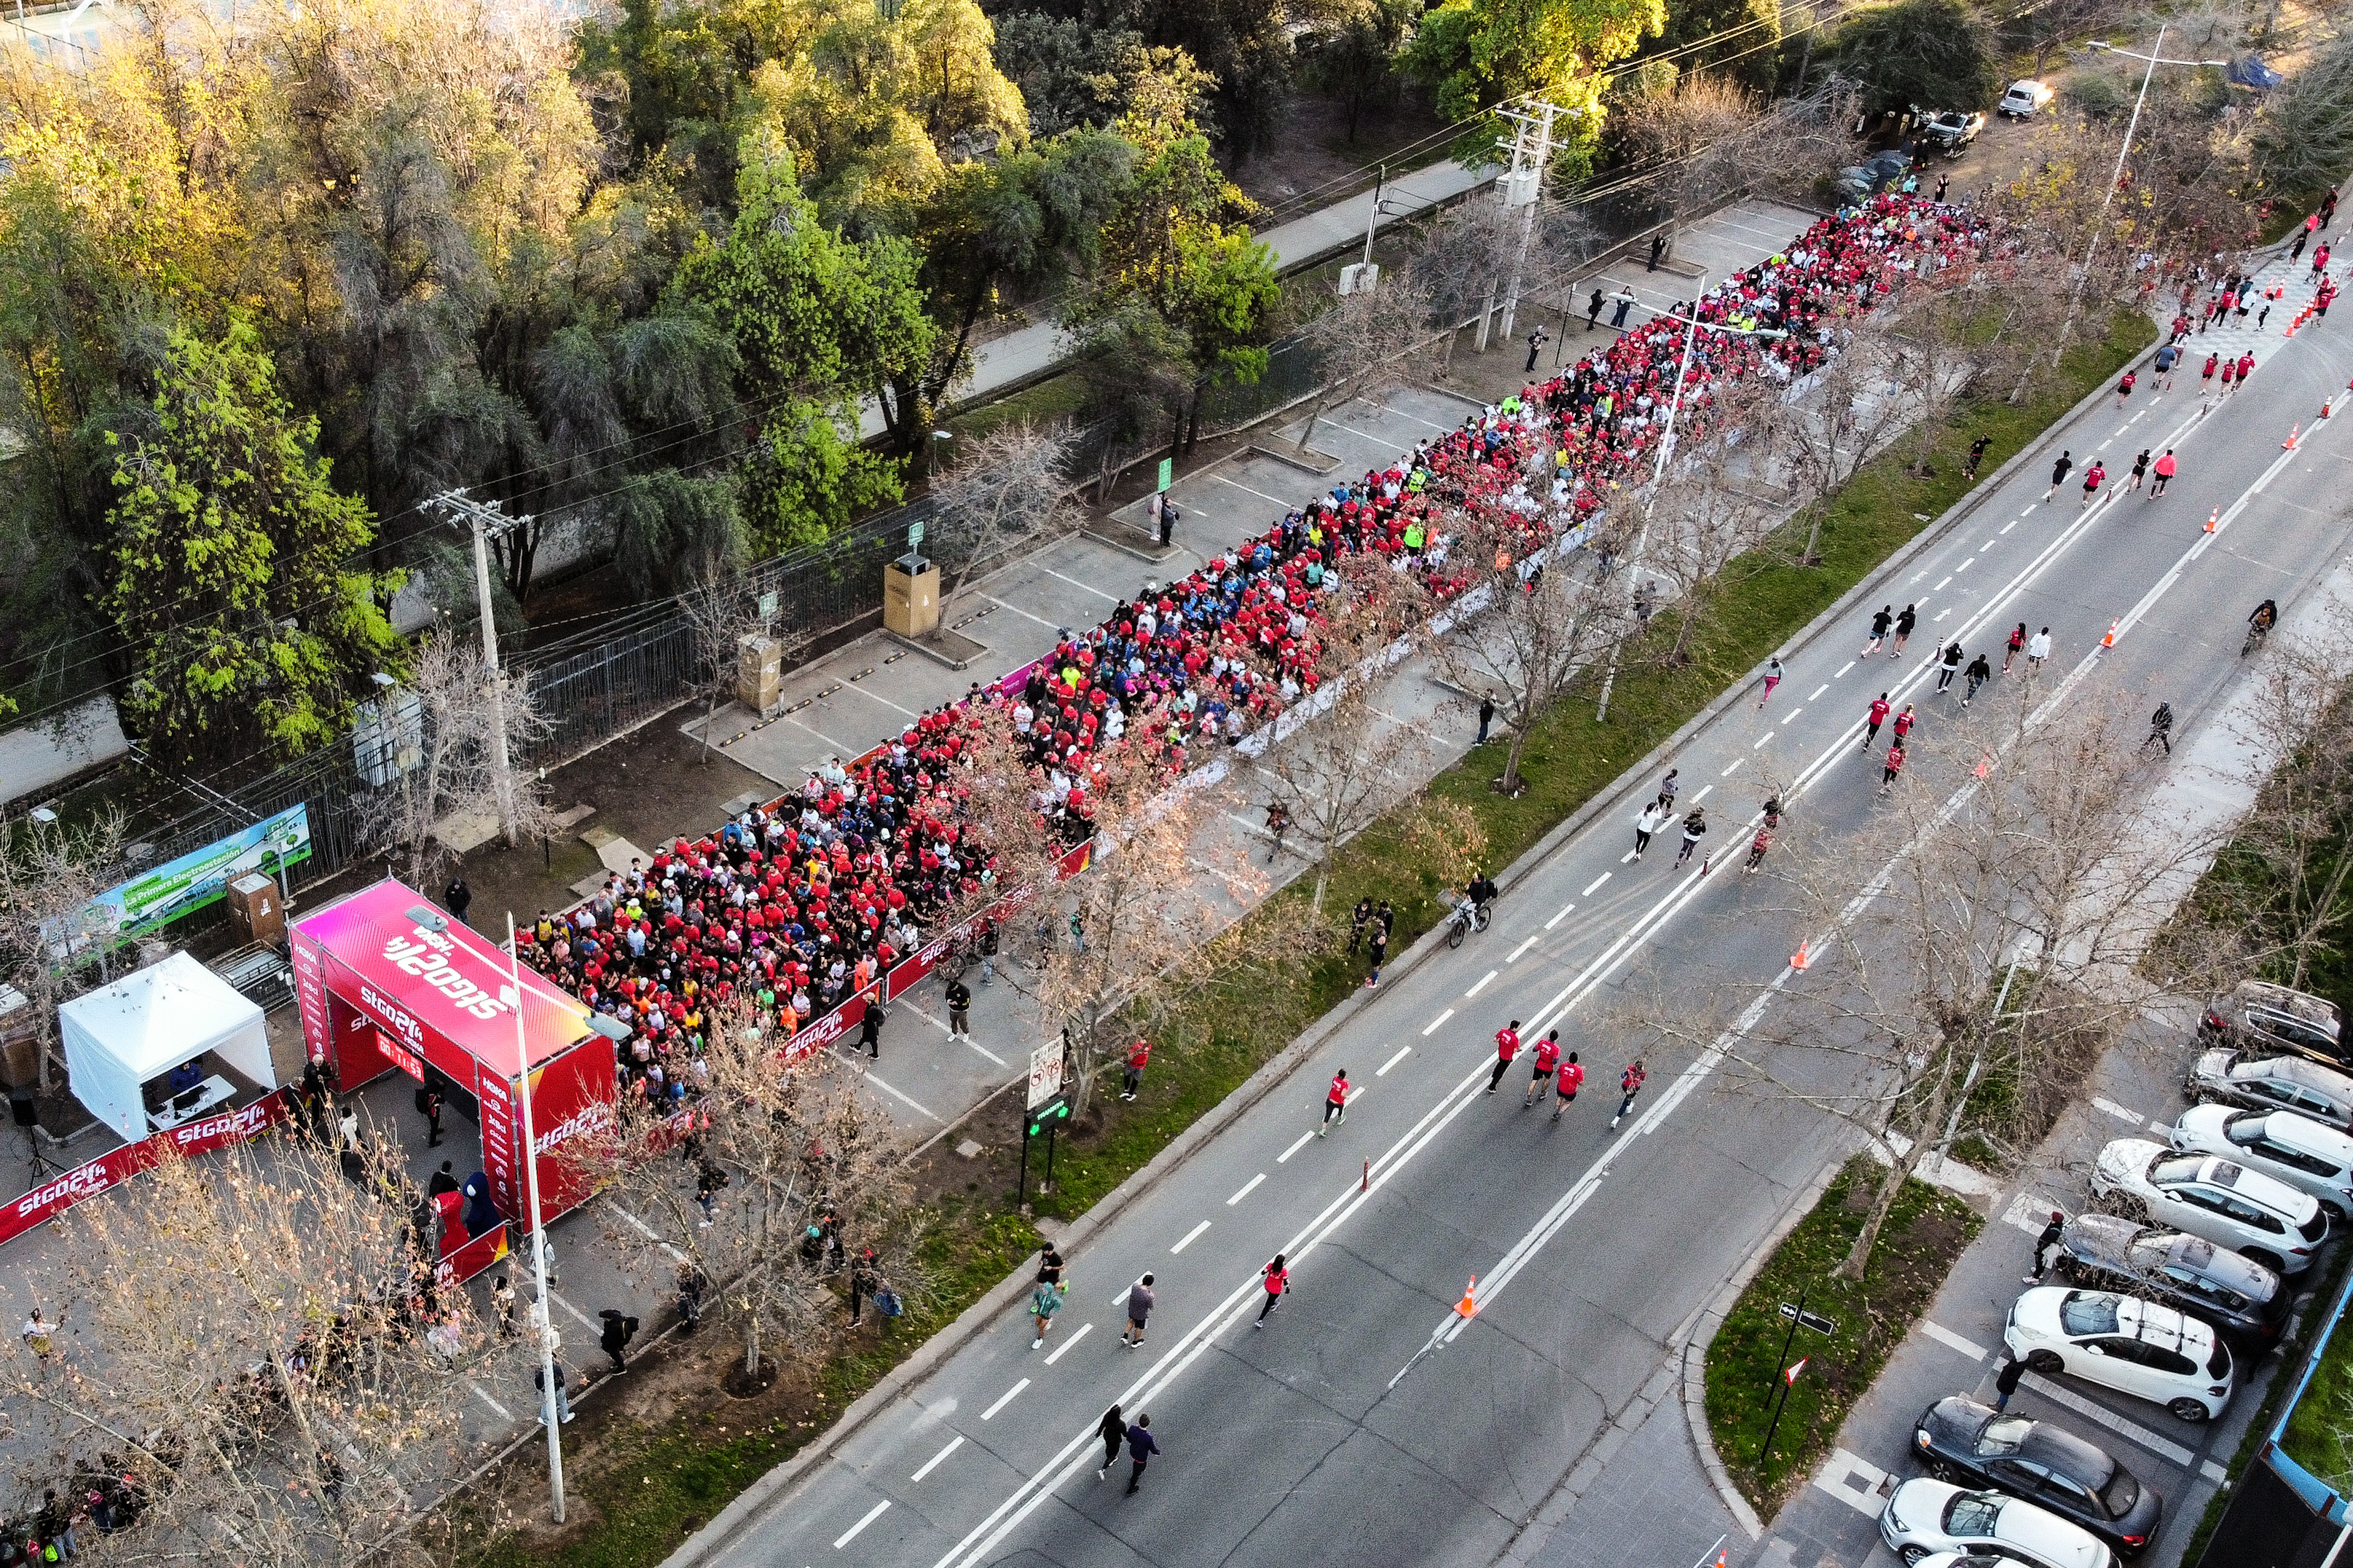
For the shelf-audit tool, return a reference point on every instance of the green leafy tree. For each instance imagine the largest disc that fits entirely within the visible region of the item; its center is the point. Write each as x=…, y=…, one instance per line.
x=225, y=516
x=1938, y=54
x=1475, y=55
x=1354, y=60
x=1069, y=73
x=817, y=322
x=1746, y=33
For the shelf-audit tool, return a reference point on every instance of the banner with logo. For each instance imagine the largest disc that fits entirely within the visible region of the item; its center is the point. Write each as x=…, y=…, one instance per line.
x=53, y=1197
x=155, y=898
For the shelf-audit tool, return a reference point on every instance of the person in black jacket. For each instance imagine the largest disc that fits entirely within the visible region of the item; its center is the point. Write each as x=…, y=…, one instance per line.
x=1112, y=1430
x=959, y=1000
x=457, y=897
x=870, y=1026
x=619, y=1329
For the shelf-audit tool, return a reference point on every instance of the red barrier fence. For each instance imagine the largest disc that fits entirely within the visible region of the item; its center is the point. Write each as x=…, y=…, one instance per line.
x=52, y=1198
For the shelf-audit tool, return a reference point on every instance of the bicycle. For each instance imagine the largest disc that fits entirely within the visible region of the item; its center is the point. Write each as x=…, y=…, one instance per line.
x=2256, y=632
x=1467, y=918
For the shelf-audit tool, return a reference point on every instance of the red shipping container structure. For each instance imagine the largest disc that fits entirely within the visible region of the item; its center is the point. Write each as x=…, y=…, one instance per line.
x=386, y=982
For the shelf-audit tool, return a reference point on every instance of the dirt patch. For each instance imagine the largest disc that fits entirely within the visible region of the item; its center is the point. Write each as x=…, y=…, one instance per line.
x=1313, y=163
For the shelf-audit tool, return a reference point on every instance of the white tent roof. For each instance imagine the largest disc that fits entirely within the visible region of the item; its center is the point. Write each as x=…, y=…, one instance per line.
x=148, y=1022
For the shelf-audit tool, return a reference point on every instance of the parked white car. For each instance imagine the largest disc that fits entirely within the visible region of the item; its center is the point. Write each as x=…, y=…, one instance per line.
x=2132, y=1346
x=2023, y=98
x=2292, y=1149
x=2219, y=1199
x=1924, y=1517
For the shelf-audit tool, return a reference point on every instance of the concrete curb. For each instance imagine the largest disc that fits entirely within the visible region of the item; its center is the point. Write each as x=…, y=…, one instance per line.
x=773, y=1488
x=1711, y=1318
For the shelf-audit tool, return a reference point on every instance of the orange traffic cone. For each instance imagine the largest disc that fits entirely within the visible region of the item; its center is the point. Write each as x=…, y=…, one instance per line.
x=1469, y=1305
x=2213, y=519
x=2294, y=431
x=1802, y=959
x=2110, y=640
x=2325, y=404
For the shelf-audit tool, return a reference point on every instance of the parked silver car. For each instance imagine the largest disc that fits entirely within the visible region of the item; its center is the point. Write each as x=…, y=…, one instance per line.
x=2272, y=1083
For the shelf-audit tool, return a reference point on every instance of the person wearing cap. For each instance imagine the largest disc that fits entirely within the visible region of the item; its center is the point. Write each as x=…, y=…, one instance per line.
x=2042, y=1246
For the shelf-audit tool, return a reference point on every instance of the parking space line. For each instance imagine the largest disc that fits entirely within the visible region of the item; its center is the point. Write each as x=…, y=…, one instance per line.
x=646, y=1231
x=482, y=1394
x=1074, y=582
x=954, y=1444
x=1254, y=1182
x=1248, y=491
x=1951, y=1341
x=2132, y=1430
x=1191, y=1237
x=1402, y=1052
x=2120, y=1112
x=896, y=1095
x=851, y=1533
x=1005, y=1399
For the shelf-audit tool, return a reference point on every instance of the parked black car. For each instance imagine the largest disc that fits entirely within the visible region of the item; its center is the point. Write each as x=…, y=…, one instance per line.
x=1974, y=1445
x=2248, y=1302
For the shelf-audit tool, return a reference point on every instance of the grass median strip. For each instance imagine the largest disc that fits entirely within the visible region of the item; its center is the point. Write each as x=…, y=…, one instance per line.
x=1868, y=1318
x=660, y=1475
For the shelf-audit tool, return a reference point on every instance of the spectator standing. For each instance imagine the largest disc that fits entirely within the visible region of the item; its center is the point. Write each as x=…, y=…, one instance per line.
x=458, y=898
x=1138, y=1055
x=959, y=997
x=2043, y=1243
x=562, y=1394
x=502, y=1300
x=870, y=1023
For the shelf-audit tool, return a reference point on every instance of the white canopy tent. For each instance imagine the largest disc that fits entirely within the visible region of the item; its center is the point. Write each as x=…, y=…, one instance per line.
x=148, y=1022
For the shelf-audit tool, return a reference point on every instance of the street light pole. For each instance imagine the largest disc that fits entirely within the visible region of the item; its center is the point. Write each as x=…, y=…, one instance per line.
x=550, y=1412
x=2099, y=224
x=1691, y=324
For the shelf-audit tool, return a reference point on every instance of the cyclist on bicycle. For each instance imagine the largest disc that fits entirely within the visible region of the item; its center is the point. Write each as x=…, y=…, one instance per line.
x=2161, y=729
x=2266, y=616
x=1481, y=890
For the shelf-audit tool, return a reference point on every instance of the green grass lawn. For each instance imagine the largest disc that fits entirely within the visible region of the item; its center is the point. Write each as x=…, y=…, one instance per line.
x=1924, y=1232
x=1232, y=1025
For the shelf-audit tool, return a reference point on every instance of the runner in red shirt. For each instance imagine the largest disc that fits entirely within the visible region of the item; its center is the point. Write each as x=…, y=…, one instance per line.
x=1335, y=1102
x=1878, y=716
x=1507, y=1046
x=1548, y=1061
x=1564, y=1087
x=1894, y=766
x=1277, y=1281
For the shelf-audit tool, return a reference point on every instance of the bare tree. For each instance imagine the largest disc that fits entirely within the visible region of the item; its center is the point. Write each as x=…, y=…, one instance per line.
x=1713, y=506
x=1144, y=914
x=1858, y=402
x=720, y=612
x=253, y=1357
x=1712, y=141
x=801, y=1167
x=2305, y=141
x=1999, y=939
x=1008, y=493
x=1472, y=252
x=449, y=781
x=1368, y=341
x=49, y=872
x=1532, y=627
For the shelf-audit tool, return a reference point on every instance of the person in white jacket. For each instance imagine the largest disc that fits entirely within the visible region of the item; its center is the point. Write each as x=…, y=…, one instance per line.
x=1654, y=816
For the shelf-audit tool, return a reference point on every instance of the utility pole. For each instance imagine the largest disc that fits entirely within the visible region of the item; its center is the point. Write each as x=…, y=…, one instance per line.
x=550, y=1410
x=1521, y=187
x=487, y=523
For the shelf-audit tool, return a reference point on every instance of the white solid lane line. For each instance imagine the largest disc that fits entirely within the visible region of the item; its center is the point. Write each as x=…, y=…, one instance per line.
x=1951, y=1341
x=2108, y=1418
x=1434, y=1023
x=1825, y=685
x=1254, y=1182
x=896, y=1095
x=1593, y=884
x=1482, y=983
x=872, y=1513
x=954, y=1444
x=1560, y=917
x=1064, y=1347
x=1005, y=1399
x=646, y=1231
x=1190, y=1236
x=1383, y=1071
x=1296, y=1145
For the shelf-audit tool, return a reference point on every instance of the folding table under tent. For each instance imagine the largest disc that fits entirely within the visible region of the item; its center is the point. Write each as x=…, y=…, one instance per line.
x=137, y=1028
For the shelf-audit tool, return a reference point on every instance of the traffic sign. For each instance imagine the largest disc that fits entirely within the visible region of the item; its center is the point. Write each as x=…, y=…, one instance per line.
x=915, y=535
x=1167, y=473
x=1045, y=1073
x=1805, y=1319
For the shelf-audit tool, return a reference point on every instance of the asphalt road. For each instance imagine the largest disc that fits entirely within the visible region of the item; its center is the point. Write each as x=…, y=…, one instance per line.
x=1300, y=1442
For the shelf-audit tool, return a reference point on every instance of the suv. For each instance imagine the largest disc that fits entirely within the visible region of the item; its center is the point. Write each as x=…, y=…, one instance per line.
x=1952, y=131
x=2247, y=1302
x=2269, y=1221
x=2272, y=1083
x=2280, y=1144
x=2134, y=1347
x=2023, y=98
x=2259, y=1017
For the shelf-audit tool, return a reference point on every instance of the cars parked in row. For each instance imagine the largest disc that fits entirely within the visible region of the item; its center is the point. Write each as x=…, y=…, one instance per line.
x=2272, y=1083
x=2248, y=1302
x=2132, y=1346
x=2283, y=1145
x=2260, y=1018
x=1969, y=1444
x=2222, y=1199
x=1873, y=174
x=1923, y=1517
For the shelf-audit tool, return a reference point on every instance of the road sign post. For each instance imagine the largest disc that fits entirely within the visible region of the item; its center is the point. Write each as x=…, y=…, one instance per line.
x=1167, y=474
x=1046, y=1107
